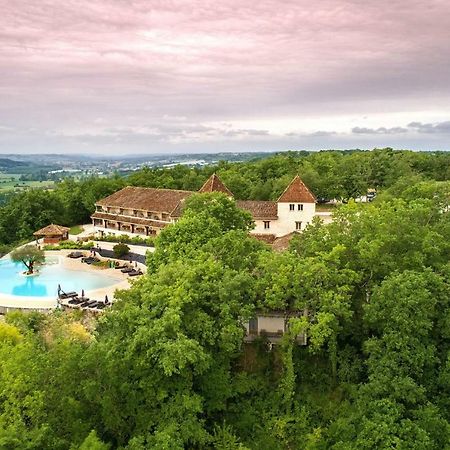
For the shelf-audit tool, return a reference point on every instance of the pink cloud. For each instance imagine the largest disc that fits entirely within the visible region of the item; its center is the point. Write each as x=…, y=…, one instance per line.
x=64, y=64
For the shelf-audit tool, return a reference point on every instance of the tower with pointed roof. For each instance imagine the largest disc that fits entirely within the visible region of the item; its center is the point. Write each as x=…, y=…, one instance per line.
x=215, y=184
x=296, y=207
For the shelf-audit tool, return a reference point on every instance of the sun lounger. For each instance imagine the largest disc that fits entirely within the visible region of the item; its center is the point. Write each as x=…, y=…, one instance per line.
x=92, y=305
x=127, y=270
x=134, y=273
x=77, y=301
x=121, y=266
x=92, y=260
x=88, y=303
x=75, y=255
x=65, y=295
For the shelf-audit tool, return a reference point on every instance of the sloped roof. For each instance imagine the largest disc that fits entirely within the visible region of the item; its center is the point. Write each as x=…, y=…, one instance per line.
x=176, y=213
x=282, y=243
x=259, y=209
x=267, y=238
x=147, y=199
x=52, y=230
x=297, y=191
x=215, y=184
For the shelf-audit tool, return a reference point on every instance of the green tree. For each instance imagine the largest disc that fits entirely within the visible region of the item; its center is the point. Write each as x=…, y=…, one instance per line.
x=29, y=255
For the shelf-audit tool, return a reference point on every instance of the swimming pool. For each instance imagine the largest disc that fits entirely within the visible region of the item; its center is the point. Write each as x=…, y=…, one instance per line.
x=51, y=274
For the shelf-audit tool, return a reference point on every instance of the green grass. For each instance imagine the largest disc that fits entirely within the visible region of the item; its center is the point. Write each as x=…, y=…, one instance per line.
x=11, y=182
x=325, y=207
x=77, y=229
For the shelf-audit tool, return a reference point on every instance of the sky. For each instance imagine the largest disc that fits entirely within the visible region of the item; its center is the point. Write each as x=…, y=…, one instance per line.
x=123, y=77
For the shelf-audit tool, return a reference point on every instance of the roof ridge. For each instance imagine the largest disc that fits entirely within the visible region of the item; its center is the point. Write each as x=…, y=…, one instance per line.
x=159, y=189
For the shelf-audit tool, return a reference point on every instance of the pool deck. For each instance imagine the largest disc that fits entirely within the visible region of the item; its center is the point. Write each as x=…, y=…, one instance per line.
x=15, y=302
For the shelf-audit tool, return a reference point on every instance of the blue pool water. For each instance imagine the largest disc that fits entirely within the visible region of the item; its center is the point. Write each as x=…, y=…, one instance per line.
x=45, y=284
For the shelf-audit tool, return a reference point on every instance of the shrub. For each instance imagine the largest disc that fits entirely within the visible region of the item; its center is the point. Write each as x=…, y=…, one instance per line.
x=125, y=239
x=121, y=250
x=70, y=245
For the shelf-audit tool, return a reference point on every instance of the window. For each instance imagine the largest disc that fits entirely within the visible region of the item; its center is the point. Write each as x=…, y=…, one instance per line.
x=266, y=224
x=300, y=207
x=253, y=326
x=291, y=207
x=298, y=225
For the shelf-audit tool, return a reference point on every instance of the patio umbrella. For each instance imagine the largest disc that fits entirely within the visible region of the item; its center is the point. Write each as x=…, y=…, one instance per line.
x=59, y=289
x=106, y=300
x=82, y=293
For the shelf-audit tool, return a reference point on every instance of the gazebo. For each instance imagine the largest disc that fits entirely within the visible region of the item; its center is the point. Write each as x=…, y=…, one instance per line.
x=53, y=234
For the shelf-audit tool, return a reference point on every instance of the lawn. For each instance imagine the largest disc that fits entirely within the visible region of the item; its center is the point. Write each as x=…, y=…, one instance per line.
x=77, y=229
x=324, y=207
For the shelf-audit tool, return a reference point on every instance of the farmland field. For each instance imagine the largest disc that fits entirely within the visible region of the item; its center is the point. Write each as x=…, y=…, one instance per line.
x=11, y=182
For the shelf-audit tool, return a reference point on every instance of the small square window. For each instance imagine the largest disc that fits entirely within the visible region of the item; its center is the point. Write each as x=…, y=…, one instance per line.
x=298, y=225
x=266, y=224
x=291, y=207
x=300, y=207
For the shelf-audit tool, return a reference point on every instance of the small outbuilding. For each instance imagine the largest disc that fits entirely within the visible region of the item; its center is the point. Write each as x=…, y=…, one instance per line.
x=53, y=234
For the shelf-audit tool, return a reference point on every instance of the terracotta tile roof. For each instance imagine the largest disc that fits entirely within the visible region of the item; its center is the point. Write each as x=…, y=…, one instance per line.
x=215, y=184
x=282, y=243
x=297, y=191
x=52, y=230
x=128, y=219
x=176, y=213
x=147, y=199
x=267, y=238
x=259, y=209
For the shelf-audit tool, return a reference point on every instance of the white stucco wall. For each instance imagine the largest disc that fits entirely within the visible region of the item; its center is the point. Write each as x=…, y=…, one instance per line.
x=271, y=324
x=285, y=223
x=259, y=227
x=287, y=218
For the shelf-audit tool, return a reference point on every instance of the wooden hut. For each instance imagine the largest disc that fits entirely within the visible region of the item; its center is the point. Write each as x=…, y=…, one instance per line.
x=53, y=234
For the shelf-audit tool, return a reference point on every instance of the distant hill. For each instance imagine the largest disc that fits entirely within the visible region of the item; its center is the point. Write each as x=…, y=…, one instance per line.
x=6, y=163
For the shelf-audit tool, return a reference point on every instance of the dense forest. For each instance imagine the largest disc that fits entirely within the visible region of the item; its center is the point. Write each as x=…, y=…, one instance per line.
x=166, y=367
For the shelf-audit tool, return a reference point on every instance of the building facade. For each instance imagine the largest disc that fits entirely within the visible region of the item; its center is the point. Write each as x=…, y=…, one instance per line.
x=146, y=211
x=271, y=325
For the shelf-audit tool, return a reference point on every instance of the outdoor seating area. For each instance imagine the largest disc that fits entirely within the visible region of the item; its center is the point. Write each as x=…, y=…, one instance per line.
x=130, y=271
x=74, y=301
x=124, y=267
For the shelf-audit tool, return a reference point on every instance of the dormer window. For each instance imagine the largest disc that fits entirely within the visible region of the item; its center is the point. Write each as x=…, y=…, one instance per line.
x=300, y=207
x=291, y=207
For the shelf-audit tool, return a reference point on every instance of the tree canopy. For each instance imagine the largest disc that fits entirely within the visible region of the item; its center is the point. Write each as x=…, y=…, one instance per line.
x=167, y=367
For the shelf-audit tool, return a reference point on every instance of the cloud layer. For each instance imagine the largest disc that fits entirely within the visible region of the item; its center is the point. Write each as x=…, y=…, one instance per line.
x=148, y=75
